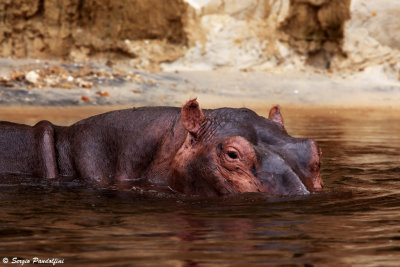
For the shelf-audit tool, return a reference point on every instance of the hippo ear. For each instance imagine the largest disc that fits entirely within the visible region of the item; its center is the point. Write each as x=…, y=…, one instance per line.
x=275, y=115
x=192, y=116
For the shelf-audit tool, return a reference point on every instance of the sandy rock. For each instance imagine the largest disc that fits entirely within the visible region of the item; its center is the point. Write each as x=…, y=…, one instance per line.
x=32, y=77
x=228, y=34
x=372, y=37
x=266, y=34
x=314, y=2
x=270, y=35
x=48, y=28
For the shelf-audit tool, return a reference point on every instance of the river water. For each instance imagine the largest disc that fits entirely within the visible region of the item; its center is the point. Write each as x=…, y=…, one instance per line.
x=354, y=222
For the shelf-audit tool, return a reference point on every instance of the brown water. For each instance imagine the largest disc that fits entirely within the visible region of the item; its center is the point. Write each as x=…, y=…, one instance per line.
x=355, y=222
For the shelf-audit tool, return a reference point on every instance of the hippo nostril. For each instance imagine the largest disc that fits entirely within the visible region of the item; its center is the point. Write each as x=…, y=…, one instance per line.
x=317, y=184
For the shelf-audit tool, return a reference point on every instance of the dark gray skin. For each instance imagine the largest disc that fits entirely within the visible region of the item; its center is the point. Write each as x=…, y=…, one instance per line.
x=208, y=153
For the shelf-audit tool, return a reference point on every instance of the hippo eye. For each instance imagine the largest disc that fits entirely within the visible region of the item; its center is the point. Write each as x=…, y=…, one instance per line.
x=232, y=155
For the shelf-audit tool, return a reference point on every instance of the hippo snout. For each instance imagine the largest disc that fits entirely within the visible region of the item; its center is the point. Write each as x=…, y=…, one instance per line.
x=313, y=178
x=278, y=178
x=317, y=183
x=285, y=184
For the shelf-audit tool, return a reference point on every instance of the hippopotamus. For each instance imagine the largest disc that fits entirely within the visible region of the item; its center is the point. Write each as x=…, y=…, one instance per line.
x=196, y=152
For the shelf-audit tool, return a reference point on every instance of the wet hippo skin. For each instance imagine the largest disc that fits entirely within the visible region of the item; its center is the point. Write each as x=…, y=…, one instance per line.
x=193, y=151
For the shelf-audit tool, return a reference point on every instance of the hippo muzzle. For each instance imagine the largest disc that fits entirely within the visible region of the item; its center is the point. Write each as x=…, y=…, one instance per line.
x=277, y=177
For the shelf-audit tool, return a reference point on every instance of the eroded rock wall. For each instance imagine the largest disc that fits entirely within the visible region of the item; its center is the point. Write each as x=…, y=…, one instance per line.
x=272, y=35
x=79, y=28
x=372, y=37
x=264, y=34
x=316, y=28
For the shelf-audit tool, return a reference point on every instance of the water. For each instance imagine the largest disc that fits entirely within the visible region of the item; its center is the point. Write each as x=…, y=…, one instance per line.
x=354, y=222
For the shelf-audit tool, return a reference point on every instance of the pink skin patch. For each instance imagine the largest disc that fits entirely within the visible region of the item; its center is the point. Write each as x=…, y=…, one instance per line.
x=316, y=182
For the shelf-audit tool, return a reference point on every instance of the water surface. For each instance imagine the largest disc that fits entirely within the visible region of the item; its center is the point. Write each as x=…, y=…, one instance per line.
x=354, y=222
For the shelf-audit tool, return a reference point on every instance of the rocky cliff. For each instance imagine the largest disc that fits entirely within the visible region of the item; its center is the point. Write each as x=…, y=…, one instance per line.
x=270, y=35
x=82, y=29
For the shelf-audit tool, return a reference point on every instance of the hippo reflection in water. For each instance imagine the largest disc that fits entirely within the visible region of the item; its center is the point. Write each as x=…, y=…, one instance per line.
x=193, y=151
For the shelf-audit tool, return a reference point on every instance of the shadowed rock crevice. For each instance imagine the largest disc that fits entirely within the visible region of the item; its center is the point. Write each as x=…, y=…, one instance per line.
x=316, y=28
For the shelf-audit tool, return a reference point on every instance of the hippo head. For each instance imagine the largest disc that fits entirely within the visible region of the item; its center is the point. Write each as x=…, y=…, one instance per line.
x=230, y=151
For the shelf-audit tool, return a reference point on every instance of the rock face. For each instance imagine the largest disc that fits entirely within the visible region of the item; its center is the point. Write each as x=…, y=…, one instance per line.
x=78, y=28
x=265, y=34
x=316, y=28
x=271, y=35
x=286, y=35
x=372, y=35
